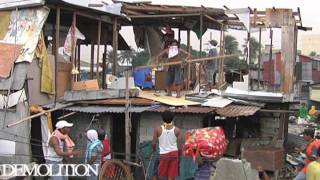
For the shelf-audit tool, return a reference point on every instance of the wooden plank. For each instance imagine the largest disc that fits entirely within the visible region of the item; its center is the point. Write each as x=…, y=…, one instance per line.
x=92, y=60
x=279, y=17
x=288, y=60
x=169, y=100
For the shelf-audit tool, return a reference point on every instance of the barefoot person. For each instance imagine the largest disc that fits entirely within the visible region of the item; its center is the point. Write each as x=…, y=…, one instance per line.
x=168, y=137
x=175, y=72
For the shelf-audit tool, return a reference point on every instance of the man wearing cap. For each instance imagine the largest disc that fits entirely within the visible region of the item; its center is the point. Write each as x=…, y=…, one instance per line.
x=212, y=65
x=57, y=142
x=311, y=151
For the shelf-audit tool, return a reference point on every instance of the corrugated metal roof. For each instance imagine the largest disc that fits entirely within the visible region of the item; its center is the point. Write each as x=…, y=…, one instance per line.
x=237, y=110
x=189, y=109
x=105, y=109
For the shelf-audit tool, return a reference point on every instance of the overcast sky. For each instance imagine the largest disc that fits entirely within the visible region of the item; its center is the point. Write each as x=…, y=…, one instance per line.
x=309, y=13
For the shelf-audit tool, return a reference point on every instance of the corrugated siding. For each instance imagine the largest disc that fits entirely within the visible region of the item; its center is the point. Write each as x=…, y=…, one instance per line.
x=237, y=110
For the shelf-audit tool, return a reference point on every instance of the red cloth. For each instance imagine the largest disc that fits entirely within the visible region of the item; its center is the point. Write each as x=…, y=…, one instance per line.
x=208, y=142
x=169, y=165
x=106, y=148
x=315, y=144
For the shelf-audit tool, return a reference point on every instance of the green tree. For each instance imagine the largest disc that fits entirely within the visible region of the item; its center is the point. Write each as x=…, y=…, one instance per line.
x=194, y=53
x=140, y=58
x=313, y=54
x=254, y=49
x=126, y=56
x=232, y=47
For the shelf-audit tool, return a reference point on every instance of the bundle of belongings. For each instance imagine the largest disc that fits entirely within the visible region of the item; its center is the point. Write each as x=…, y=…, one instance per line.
x=208, y=142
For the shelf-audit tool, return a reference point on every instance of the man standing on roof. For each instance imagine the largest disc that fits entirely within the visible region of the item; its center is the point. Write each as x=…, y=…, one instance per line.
x=212, y=65
x=311, y=152
x=169, y=138
x=58, y=141
x=175, y=72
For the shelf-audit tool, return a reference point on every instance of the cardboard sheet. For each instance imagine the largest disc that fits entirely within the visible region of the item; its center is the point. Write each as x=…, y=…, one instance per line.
x=169, y=100
x=8, y=54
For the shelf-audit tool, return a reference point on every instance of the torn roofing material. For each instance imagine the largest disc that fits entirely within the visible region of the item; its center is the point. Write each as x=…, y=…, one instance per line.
x=237, y=110
x=189, y=109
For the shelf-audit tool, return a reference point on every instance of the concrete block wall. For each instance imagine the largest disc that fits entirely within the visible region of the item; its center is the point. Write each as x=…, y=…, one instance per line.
x=270, y=124
x=81, y=123
x=149, y=120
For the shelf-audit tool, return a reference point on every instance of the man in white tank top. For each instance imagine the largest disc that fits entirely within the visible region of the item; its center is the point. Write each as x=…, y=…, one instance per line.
x=169, y=138
x=58, y=140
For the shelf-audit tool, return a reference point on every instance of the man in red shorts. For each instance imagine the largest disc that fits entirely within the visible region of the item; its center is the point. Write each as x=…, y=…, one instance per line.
x=169, y=138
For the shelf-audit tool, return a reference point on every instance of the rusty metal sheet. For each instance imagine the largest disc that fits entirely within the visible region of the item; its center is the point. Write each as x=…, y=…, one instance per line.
x=121, y=101
x=8, y=54
x=237, y=110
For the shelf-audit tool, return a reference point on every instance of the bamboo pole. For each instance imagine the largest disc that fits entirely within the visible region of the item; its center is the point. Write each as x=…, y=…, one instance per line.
x=73, y=43
x=188, y=61
x=39, y=114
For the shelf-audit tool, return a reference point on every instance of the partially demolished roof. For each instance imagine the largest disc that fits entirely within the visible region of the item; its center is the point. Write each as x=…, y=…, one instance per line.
x=174, y=16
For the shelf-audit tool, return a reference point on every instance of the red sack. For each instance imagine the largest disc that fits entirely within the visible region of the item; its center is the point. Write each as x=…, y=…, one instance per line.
x=208, y=142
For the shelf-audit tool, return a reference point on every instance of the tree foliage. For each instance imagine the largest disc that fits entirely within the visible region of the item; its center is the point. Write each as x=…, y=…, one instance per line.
x=313, y=54
x=232, y=47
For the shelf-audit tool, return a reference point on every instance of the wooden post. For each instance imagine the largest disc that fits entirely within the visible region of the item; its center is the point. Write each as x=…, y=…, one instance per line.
x=221, y=60
x=188, y=41
x=189, y=65
x=115, y=46
x=98, y=49
x=104, y=62
x=73, y=45
x=201, y=29
x=249, y=63
x=270, y=58
x=179, y=36
x=259, y=59
x=127, y=120
x=288, y=61
x=92, y=59
x=56, y=52
x=79, y=61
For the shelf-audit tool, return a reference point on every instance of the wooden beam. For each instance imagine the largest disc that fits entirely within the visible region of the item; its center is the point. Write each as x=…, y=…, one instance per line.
x=92, y=60
x=56, y=53
x=212, y=19
x=115, y=46
x=162, y=15
x=98, y=49
x=300, y=16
